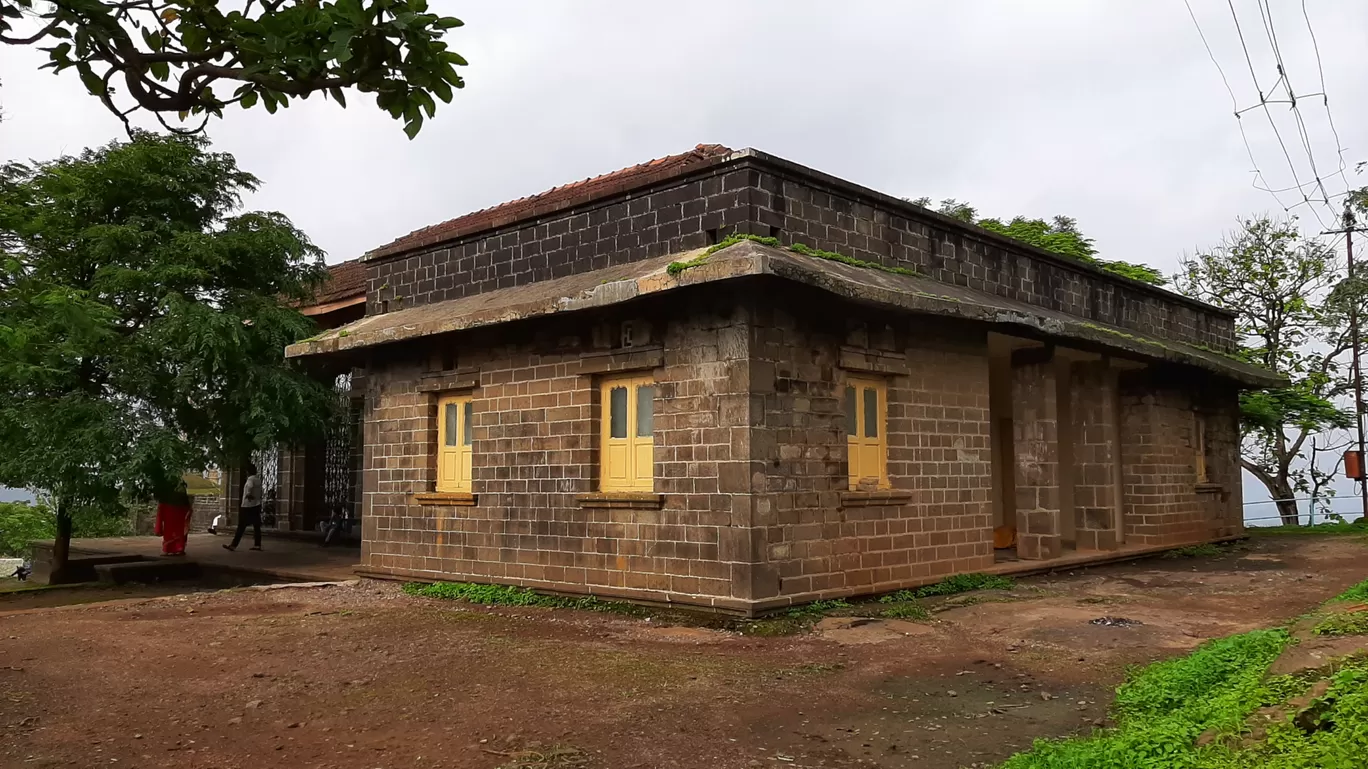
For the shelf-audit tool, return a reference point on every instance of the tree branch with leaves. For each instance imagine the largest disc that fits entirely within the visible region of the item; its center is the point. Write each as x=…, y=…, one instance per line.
x=1059, y=235
x=180, y=57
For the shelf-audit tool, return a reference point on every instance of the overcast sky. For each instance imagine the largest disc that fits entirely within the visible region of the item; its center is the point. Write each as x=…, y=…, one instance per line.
x=1109, y=112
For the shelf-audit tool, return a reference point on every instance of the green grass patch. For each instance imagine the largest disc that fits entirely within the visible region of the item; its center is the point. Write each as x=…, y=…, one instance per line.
x=1320, y=528
x=1207, y=550
x=1340, y=740
x=1348, y=623
x=675, y=268
x=958, y=583
x=906, y=611
x=1358, y=592
x=1162, y=709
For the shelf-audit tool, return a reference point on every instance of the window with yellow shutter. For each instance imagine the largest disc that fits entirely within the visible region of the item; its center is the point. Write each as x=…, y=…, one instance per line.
x=627, y=455
x=866, y=413
x=455, y=437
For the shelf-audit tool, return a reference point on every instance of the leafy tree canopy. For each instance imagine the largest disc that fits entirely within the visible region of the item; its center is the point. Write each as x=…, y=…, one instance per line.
x=1059, y=235
x=192, y=58
x=143, y=321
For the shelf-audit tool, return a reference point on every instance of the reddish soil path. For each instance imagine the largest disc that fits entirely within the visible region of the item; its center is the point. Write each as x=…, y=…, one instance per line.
x=367, y=677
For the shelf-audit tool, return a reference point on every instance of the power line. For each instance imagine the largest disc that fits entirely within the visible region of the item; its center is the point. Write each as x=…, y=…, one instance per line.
x=1259, y=182
x=1325, y=99
x=1266, y=16
x=1263, y=101
x=1317, y=184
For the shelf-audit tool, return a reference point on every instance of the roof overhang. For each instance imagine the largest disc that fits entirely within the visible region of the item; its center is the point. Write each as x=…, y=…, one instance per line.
x=333, y=306
x=915, y=295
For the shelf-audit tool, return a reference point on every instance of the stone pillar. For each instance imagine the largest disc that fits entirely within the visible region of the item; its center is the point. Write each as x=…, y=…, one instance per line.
x=1096, y=453
x=1035, y=430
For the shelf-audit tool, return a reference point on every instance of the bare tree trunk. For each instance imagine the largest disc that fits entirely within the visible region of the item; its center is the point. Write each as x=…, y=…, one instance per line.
x=1287, y=509
x=1279, y=489
x=61, y=544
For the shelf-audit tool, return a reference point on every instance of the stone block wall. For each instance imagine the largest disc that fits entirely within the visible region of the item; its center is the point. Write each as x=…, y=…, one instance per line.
x=832, y=216
x=774, y=198
x=535, y=458
x=1035, y=425
x=1163, y=504
x=1222, y=498
x=819, y=538
x=751, y=505
x=204, y=508
x=1096, y=454
x=675, y=216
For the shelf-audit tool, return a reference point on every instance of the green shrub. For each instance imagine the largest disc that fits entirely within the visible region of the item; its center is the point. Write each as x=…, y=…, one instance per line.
x=21, y=523
x=24, y=522
x=1351, y=623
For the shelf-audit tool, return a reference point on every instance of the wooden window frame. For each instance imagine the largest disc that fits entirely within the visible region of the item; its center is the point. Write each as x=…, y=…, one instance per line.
x=860, y=447
x=454, y=462
x=638, y=474
x=1199, y=447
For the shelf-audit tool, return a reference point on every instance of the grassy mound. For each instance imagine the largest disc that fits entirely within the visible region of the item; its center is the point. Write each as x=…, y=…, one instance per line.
x=1195, y=713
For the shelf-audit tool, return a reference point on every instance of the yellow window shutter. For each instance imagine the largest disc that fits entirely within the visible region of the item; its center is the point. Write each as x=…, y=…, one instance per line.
x=453, y=448
x=627, y=459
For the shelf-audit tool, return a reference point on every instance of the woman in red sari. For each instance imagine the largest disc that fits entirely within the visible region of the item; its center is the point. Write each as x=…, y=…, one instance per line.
x=173, y=520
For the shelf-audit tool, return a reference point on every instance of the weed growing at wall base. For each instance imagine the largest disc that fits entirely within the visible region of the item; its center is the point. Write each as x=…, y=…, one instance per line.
x=1206, y=550
x=958, y=583
x=508, y=595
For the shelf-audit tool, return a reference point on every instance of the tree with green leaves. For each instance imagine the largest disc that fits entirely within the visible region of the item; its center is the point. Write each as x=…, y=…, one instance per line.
x=1059, y=235
x=193, y=58
x=1292, y=301
x=143, y=322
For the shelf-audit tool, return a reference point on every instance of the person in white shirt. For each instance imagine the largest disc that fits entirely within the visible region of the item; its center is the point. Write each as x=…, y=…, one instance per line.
x=249, y=512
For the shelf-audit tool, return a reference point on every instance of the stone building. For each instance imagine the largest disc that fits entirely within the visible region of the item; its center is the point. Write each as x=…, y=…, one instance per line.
x=595, y=390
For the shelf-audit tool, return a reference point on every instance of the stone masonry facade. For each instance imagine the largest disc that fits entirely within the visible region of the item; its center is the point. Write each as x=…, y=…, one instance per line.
x=751, y=193
x=752, y=507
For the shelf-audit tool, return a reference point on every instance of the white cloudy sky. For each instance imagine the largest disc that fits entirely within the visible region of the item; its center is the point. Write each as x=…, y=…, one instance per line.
x=1110, y=112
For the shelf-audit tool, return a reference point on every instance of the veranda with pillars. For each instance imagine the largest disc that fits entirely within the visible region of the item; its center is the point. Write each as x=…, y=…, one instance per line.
x=1092, y=452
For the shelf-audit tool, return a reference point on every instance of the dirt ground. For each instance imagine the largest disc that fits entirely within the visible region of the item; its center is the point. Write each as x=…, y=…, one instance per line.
x=364, y=676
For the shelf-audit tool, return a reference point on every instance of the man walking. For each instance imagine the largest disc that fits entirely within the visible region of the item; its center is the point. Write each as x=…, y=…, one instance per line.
x=250, y=510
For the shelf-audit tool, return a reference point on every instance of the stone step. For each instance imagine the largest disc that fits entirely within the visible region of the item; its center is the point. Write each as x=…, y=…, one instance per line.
x=147, y=570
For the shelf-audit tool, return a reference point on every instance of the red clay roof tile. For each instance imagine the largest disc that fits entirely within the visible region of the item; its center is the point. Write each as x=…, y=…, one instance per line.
x=556, y=198
x=345, y=280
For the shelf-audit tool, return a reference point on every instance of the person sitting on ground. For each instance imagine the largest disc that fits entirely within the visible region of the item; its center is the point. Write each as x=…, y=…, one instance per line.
x=249, y=513
x=173, y=519
x=219, y=520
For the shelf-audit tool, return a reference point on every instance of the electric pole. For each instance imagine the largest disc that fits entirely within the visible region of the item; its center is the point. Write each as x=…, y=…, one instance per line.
x=1357, y=372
